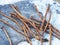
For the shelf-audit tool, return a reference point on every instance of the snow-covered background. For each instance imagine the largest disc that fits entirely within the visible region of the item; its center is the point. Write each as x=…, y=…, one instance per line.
x=27, y=5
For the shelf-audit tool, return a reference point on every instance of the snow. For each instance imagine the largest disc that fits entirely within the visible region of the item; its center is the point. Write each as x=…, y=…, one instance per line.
x=3, y=2
x=34, y=42
x=42, y=4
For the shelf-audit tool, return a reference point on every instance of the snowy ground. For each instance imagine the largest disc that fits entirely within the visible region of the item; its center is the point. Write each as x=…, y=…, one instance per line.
x=42, y=4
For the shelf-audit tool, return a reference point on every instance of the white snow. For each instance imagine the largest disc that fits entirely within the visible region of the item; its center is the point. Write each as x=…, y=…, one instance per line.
x=3, y=2
x=24, y=43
